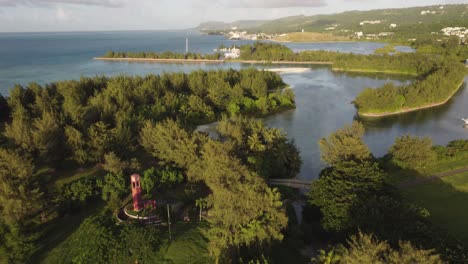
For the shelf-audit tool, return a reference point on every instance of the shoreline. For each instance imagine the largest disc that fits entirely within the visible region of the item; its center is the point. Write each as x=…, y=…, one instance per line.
x=288, y=70
x=409, y=110
x=211, y=61
x=282, y=62
x=373, y=71
x=311, y=41
x=159, y=60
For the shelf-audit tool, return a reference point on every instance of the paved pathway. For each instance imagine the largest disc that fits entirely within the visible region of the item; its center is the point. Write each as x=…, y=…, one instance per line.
x=305, y=185
x=293, y=183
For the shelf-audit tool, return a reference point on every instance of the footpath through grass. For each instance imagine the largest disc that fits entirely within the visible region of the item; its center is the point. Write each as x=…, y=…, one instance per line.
x=447, y=200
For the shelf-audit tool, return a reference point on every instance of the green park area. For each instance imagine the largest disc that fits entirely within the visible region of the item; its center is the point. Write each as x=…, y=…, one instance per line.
x=446, y=199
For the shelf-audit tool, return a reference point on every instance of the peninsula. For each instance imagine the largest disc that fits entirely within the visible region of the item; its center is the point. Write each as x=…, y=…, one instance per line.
x=438, y=74
x=412, y=109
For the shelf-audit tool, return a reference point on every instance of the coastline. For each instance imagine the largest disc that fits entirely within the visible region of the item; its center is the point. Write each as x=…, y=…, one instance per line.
x=373, y=71
x=312, y=41
x=159, y=60
x=211, y=61
x=413, y=109
x=282, y=62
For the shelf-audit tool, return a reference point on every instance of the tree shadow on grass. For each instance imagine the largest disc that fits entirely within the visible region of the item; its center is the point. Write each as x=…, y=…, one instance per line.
x=429, y=212
x=446, y=204
x=188, y=245
x=57, y=232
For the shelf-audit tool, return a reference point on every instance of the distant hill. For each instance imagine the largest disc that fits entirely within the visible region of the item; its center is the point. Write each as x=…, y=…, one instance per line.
x=404, y=22
x=222, y=26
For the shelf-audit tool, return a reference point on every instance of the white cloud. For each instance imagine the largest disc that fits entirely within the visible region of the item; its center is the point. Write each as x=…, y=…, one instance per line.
x=259, y=3
x=108, y=3
x=61, y=15
x=275, y=3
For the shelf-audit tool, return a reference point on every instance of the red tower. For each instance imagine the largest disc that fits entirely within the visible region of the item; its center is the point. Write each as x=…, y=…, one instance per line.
x=136, y=192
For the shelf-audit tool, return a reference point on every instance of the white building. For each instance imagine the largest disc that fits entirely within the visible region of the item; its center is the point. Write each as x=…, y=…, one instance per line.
x=373, y=22
x=386, y=34
x=233, y=53
x=359, y=34
x=460, y=32
x=427, y=12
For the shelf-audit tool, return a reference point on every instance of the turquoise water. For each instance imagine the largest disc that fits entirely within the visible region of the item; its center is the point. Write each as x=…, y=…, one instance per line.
x=323, y=97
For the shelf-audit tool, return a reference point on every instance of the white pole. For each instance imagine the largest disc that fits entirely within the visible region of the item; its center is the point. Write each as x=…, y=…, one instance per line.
x=169, y=221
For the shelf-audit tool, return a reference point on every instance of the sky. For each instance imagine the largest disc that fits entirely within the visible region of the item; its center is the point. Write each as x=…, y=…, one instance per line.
x=94, y=15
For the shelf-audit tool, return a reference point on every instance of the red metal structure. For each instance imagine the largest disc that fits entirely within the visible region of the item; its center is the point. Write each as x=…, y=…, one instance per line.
x=136, y=192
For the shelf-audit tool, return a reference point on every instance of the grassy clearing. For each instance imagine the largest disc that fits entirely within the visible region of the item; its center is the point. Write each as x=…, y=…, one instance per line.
x=446, y=199
x=310, y=37
x=54, y=235
x=398, y=175
x=446, y=165
x=188, y=245
x=73, y=175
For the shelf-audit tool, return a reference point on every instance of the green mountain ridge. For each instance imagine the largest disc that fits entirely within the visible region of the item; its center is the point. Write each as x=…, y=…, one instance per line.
x=404, y=22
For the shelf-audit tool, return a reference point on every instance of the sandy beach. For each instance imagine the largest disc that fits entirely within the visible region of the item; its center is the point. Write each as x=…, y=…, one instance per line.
x=288, y=70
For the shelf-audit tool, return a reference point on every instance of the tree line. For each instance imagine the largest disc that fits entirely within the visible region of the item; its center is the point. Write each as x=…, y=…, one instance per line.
x=167, y=55
x=354, y=195
x=436, y=87
x=119, y=123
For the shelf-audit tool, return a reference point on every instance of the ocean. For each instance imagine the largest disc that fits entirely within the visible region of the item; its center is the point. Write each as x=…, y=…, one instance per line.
x=48, y=57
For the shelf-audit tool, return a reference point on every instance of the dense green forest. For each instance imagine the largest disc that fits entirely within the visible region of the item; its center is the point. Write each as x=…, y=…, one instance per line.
x=355, y=193
x=66, y=145
x=67, y=150
x=121, y=125
x=417, y=63
x=435, y=88
x=162, y=55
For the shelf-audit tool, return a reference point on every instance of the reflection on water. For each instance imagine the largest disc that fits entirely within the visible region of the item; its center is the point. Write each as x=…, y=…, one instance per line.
x=323, y=105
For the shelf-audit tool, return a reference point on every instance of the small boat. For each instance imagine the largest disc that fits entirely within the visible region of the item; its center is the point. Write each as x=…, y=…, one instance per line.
x=465, y=120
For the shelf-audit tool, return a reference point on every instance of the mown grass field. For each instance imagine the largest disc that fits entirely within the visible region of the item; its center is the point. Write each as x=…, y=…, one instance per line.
x=398, y=175
x=447, y=201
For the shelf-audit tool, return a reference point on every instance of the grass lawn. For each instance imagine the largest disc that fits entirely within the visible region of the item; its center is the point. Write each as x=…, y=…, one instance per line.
x=188, y=244
x=71, y=176
x=56, y=234
x=397, y=175
x=447, y=201
x=449, y=165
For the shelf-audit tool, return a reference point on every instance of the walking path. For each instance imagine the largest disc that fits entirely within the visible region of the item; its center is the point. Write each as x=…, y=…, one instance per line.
x=305, y=185
x=293, y=183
